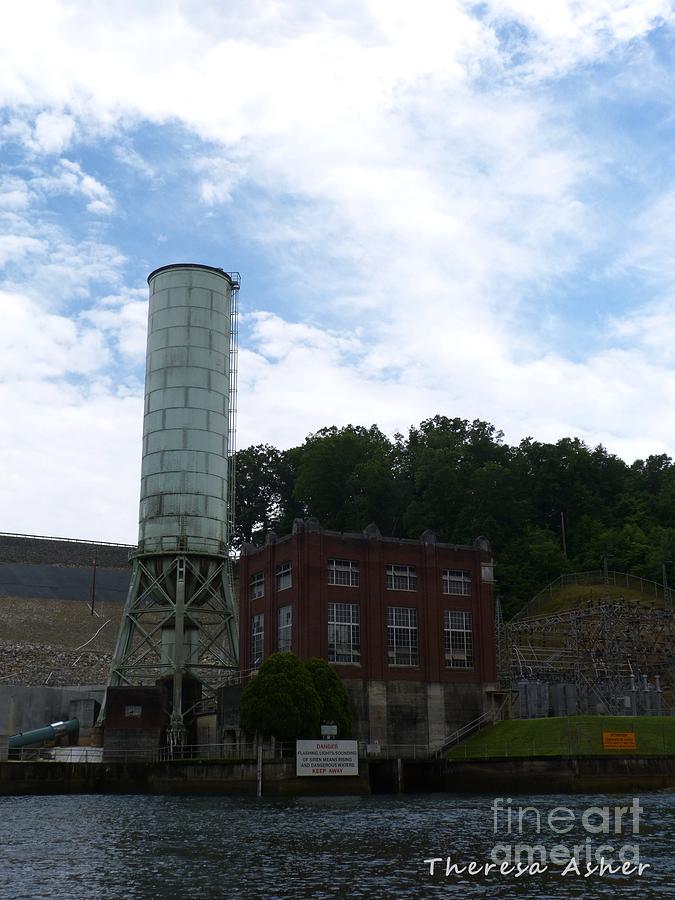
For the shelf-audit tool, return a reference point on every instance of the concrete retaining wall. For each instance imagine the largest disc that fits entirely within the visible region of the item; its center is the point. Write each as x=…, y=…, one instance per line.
x=492, y=777
x=279, y=779
x=412, y=712
x=551, y=774
x=23, y=708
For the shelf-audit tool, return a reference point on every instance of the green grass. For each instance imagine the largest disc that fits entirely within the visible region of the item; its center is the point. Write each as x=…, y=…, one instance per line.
x=567, y=736
x=570, y=596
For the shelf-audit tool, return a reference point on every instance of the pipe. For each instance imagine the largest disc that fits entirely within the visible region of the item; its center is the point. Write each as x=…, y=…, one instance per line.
x=48, y=733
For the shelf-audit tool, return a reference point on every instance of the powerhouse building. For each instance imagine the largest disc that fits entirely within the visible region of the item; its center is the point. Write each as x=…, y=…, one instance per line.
x=408, y=624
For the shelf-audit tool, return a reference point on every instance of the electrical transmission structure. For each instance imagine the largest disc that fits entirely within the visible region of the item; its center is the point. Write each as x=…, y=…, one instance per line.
x=608, y=655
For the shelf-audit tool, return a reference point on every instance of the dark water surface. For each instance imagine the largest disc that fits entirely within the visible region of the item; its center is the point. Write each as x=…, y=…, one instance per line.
x=129, y=847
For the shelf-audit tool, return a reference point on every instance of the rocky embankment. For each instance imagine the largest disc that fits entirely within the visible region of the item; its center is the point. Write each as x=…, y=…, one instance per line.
x=56, y=641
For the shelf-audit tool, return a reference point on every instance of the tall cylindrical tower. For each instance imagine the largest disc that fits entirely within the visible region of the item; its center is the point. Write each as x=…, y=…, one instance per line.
x=184, y=477
x=179, y=626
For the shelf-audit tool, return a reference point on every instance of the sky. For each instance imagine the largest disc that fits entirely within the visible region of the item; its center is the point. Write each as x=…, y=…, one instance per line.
x=439, y=207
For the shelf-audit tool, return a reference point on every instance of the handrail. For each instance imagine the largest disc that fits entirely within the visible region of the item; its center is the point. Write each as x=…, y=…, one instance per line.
x=487, y=718
x=465, y=730
x=594, y=576
x=43, y=537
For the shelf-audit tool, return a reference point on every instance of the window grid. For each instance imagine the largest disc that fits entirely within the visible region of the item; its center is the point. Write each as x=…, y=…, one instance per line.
x=344, y=572
x=401, y=578
x=456, y=581
x=285, y=629
x=458, y=639
x=257, y=585
x=284, y=575
x=344, y=632
x=402, y=636
x=257, y=640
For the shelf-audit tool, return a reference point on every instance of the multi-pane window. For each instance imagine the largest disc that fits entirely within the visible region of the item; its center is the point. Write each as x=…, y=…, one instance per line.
x=458, y=639
x=257, y=640
x=401, y=578
x=284, y=576
x=456, y=581
x=344, y=632
x=343, y=571
x=257, y=585
x=402, y=636
x=285, y=629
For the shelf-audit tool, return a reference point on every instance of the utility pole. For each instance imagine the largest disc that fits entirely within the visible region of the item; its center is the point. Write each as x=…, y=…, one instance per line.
x=667, y=596
x=562, y=531
x=93, y=583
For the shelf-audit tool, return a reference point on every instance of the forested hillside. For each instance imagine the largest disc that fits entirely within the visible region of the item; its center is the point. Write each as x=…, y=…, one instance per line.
x=461, y=480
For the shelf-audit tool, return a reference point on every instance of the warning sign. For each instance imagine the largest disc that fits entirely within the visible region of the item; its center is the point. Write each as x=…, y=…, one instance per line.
x=327, y=758
x=619, y=740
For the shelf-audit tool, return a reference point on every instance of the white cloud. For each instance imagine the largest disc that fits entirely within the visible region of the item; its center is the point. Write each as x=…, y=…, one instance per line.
x=15, y=247
x=67, y=273
x=132, y=158
x=618, y=398
x=218, y=178
x=70, y=460
x=69, y=178
x=14, y=193
x=53, y=132
x=559, y=35
x=69, y=441
x=124, y=318
x=646, y=253
x=35, y=344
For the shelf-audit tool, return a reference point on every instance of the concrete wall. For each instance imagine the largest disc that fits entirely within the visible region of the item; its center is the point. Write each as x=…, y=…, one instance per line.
x=410, y=712
x=553, y=774
x=279, y=779
x=23, y=708
x=495, y=777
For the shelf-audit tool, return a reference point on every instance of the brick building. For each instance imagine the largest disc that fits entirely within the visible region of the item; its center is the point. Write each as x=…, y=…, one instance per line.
x=408, y=624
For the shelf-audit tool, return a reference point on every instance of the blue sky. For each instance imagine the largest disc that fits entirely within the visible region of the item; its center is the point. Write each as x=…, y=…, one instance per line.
x=440, y=207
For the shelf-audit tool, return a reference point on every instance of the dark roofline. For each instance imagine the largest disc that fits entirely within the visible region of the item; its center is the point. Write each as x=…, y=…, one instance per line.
x=372, y=532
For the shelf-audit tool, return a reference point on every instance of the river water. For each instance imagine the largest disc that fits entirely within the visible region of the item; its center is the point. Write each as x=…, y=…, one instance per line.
x=129, y=847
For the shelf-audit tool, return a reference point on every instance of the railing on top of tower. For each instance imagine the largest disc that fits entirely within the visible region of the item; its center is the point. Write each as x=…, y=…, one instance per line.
x=235, y=278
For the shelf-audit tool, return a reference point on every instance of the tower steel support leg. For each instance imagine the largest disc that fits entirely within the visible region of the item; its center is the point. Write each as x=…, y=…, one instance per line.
x=179, y=622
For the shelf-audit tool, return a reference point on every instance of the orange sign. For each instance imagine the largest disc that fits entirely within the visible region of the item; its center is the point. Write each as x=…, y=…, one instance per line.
x=619, y=740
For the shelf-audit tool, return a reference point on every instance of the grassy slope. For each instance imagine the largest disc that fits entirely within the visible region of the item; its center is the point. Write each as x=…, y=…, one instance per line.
x=571, y=595
x=568, y=736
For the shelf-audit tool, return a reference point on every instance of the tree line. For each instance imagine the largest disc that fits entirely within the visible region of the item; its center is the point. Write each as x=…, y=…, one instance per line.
x=547, y=508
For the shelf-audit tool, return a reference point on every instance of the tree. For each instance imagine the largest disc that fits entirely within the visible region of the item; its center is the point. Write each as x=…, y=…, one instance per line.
x=281, y=700
x=345, y=478
x=460, y=479
x=264, y=485
x=335, y=705
x=439, y=459
x=526, y=564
